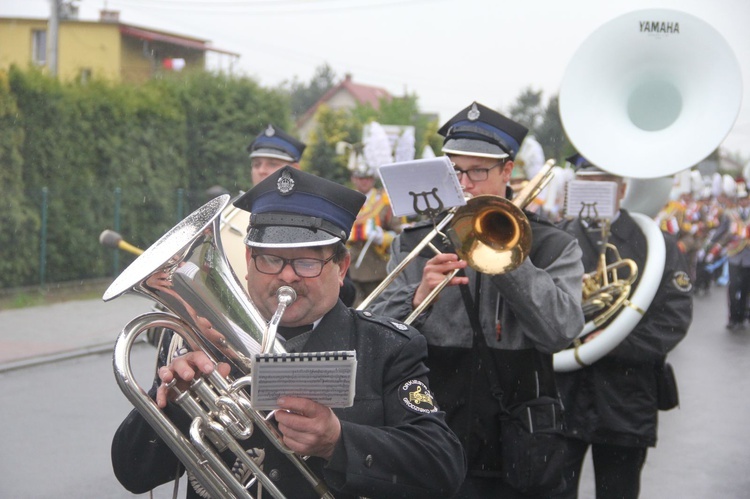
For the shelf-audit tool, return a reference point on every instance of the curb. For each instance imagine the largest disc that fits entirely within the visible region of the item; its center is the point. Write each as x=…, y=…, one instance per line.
x=60, y=356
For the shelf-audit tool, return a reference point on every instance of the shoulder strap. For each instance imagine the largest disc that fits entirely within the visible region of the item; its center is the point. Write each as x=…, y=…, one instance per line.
x=472, y=309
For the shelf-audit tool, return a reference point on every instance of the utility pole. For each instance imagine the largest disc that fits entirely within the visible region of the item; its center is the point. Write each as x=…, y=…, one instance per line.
x=52, y=36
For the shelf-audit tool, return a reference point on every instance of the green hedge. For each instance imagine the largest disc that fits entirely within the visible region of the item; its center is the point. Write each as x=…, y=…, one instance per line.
x=85, y=143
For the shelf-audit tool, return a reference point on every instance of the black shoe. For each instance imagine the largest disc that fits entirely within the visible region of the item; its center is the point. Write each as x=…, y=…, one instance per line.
x=734, y=326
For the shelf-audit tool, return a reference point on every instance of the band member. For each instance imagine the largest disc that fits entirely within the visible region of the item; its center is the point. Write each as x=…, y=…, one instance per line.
x=611, y=406
x=372, y=234
x=271, y=150
x=393, y=442
x=738, y=252
x=520, y=318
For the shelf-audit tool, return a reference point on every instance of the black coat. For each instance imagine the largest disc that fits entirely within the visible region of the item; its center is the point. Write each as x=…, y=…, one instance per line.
x=614, y=400
x=386, y=449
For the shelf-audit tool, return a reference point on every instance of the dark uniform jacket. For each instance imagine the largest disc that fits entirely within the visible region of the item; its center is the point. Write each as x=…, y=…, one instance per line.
x=526, y=315
x=614, y=400
x=389, y=447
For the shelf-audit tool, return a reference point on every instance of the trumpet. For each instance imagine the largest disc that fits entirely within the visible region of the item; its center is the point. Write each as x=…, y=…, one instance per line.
x=491, y=233
x=188, y=273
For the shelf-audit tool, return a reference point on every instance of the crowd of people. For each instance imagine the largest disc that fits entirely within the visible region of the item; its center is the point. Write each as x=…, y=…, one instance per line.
x=712, y=231
x=464, y=401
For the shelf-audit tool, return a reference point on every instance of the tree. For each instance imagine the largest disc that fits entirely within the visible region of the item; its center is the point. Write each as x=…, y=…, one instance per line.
x=341, y=125
x=302, y=96
x=320, y=158
x=18, y=217
x=528, y=108
x=543, y=122
x=223, y=115
x=550, y=133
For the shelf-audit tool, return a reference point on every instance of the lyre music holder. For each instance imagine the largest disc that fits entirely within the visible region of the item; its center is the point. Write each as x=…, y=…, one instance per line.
x=423, y=187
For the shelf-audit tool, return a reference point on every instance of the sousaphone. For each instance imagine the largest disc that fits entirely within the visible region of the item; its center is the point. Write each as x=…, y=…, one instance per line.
x=648, y=94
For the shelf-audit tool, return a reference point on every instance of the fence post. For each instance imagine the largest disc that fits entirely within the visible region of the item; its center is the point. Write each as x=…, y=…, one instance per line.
x=43, y=238
x=116, y=225
x=180, y=203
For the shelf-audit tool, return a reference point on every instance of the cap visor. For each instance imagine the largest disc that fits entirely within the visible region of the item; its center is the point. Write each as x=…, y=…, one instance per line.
x=469, y=147
x=271, y=153
x=288, y=237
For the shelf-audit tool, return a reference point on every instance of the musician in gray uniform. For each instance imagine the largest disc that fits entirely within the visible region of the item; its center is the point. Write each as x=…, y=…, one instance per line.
x=519, y=318
x=612, y=405
x=394, y=441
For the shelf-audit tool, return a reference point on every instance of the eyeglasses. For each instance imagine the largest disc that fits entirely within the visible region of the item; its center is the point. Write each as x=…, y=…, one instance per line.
x=475, y=174
x=303, y=267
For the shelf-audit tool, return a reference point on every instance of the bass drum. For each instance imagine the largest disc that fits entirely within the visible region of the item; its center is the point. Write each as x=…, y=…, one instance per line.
x=233, y=229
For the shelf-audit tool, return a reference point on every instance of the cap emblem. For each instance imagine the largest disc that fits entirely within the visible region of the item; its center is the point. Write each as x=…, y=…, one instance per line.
x=270, y=132
x=473, y=113
x=285, y=184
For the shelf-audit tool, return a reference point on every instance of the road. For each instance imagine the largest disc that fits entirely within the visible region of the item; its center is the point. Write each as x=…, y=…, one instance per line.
x=59, y=417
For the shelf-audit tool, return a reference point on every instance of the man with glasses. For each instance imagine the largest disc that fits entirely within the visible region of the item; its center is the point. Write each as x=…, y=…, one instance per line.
x=393, y=441
x=491, y=337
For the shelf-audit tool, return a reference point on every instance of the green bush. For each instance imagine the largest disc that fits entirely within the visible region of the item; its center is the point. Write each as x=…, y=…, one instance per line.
x=112, y=154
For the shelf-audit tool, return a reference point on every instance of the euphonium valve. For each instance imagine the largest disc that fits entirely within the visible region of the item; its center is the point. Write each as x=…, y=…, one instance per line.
x=604, y=291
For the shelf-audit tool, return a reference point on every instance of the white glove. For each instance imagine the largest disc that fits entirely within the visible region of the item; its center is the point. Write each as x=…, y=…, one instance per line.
x=375, y=233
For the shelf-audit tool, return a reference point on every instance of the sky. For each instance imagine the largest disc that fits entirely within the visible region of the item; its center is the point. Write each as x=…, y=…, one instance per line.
x=447, y=52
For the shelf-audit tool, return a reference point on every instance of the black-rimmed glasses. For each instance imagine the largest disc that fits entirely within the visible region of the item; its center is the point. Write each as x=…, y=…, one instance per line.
x=476, y=174
x=303, y=267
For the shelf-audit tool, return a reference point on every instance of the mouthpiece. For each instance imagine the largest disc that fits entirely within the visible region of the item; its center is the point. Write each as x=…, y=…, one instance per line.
x=286, y=295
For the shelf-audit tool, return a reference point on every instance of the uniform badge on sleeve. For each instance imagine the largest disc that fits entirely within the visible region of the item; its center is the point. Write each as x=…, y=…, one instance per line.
x=415, y=396
x=399, y=325
x=681, y=281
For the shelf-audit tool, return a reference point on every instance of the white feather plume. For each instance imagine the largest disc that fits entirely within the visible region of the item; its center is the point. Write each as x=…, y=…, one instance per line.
x=377, y=148
x=405, y=146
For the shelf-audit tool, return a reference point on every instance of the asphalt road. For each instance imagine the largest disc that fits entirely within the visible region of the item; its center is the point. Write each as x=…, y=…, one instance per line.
x=58, y=419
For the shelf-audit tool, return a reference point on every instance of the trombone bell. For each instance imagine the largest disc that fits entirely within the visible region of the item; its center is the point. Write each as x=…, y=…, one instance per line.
x=491, y=234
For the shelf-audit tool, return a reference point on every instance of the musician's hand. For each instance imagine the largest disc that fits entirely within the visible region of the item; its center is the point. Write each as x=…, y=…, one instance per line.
x=434, y=273
x=184, y=369
x=309, y=428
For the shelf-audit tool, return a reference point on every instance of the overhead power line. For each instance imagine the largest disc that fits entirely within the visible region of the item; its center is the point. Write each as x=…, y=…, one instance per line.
x=266, y=7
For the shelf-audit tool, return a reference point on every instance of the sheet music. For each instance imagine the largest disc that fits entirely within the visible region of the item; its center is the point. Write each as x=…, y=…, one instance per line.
x=591, y=199
x=427, y=179
x=325, y=377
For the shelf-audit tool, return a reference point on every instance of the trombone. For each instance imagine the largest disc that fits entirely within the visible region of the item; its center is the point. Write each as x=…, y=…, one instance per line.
x=490, y=232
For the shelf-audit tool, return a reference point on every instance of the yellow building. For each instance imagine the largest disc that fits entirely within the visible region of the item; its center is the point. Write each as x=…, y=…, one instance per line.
x=105, y=49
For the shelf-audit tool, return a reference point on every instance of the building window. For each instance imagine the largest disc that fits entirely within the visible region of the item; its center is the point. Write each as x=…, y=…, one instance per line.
x=39, y=46
x=85, y=75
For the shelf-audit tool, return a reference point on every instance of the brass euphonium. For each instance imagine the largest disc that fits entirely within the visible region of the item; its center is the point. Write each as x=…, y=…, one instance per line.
x=187, y=272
